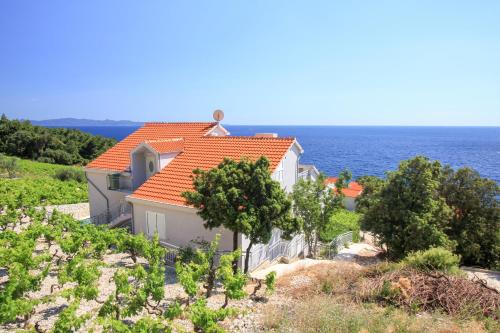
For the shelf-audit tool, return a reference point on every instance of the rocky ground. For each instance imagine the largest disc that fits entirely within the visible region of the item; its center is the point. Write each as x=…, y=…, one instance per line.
x=295, y=281
x=250, y=314
x=79, y=211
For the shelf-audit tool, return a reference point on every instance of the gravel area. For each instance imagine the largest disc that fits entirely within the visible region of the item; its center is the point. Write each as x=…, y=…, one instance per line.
x=79, y=211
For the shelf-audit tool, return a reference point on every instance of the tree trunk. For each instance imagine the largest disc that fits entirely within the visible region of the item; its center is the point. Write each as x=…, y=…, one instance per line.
x=315, y=244
x=210, y=279
x=235, y=247
x=247, y=256
x=309, y=247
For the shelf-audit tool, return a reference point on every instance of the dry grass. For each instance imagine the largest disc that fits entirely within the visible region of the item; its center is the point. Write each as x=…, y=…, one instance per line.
x=322, y=314
x=312, y=280
x=325, y=298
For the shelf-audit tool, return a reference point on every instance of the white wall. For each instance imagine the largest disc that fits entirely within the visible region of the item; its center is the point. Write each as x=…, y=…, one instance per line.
x=96, y=200
x=165, y=159
x=182, y=225
x=350, y=203
x=290, y=169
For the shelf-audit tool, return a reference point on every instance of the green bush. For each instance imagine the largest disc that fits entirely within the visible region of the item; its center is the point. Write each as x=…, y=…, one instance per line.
x=342, y=221
x=434, y=259
x=70, y=174
x=58, y=156
x=9, y=165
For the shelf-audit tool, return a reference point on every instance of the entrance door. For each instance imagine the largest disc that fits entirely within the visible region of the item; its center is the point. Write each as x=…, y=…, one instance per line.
x=150, y=166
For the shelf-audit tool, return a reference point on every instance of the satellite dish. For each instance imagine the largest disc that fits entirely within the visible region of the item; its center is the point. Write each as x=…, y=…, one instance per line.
x=218, y=115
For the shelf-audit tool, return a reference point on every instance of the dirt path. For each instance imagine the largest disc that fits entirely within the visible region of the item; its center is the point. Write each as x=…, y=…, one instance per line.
x=492, y=278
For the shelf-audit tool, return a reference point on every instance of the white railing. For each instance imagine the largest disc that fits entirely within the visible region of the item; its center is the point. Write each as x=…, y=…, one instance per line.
x=172, y=253
x=279, y=249
x=338, y=243
x=108, y=216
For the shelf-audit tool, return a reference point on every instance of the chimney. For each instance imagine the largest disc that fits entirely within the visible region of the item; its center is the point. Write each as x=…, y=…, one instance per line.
x=266, y=135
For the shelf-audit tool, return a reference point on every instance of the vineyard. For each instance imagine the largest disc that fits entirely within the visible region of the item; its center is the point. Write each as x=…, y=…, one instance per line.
x=36, y=183
x=59, y=275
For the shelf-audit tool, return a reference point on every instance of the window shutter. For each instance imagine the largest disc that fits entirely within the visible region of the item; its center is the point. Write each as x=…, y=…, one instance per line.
x=151, y=223
x=161, y=225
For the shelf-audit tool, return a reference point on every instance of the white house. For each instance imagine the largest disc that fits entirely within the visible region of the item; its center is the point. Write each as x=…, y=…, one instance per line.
x=308, y=172
x=353, y=190
x=142, y=177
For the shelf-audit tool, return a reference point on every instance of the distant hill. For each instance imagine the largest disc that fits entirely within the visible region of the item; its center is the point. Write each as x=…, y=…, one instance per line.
x=74, y=122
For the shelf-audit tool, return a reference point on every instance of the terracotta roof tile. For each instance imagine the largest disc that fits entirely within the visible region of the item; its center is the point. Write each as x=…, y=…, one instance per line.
x=166, y=145
x=353, y=190
x=206, y=153
x=117, y=158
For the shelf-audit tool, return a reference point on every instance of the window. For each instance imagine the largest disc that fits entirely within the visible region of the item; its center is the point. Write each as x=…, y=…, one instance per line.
x=156, y=223
x=280, y=171
x=151, y=166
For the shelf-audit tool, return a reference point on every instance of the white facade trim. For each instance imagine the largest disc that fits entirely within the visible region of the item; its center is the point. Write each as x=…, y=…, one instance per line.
x=160, y=204
x=217, y=127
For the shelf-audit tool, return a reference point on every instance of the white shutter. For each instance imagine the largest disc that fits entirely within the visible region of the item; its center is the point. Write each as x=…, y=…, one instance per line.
x=151, y=223
x=161, y=226
x=156, y=223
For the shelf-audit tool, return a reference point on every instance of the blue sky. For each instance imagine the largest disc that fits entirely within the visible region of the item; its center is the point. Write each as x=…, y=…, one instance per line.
x=263, y=62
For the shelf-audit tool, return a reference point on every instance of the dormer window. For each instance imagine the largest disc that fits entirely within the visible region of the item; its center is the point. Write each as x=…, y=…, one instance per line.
x=152, y=156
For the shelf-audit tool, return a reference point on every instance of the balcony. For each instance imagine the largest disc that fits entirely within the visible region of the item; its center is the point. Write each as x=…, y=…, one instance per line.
x=119, y=182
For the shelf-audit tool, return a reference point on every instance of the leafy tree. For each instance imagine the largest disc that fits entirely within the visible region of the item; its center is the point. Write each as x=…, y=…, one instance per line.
x=371, y=186
x=408, y=214
x=242, y=197
x=475, y=224
x=314, y=204
x=52, y=145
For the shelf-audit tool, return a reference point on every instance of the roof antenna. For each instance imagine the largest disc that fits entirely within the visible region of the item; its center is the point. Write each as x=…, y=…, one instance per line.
x=218, y=115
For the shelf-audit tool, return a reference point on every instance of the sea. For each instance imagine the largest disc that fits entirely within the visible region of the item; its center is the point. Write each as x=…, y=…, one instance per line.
x=367, y=150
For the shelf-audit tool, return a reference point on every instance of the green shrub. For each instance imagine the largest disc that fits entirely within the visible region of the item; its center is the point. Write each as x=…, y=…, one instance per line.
x=205, y=319
x=342, y=221
x=327, y=287
x=434, y=259
x=174, y=311
x=270, y=282
x=58, y=156
x=9, y=165
x=70, y=174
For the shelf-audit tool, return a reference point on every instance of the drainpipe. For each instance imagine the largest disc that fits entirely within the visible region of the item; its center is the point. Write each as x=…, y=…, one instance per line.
x=99, y=190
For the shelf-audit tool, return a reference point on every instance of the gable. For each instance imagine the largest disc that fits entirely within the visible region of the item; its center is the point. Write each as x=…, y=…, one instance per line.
x=117, y=158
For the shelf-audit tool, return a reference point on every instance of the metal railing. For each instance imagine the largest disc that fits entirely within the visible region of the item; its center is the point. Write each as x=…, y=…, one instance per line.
x=279, y=249
x=331, y=249
x=172, y=253
x=113, y=213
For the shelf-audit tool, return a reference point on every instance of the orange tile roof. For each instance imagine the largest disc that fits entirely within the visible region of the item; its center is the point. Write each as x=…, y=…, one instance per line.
x=353, y=190
x=117, y=158
x=355, y=186
x=166, y=145
x=206, y=153
x=331, y=180
x=352, y=193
